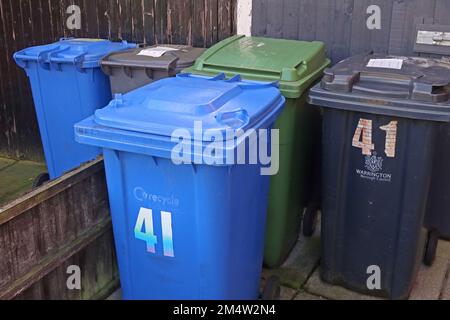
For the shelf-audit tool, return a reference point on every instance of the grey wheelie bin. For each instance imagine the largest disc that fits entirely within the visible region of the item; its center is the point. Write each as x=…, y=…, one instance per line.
x=382, y=118
x=138, y=67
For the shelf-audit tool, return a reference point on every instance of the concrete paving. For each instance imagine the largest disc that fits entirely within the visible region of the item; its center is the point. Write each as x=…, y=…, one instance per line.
x=116, y=296
x=446, y=290
x=302, y=262
x=432, y=283
x=300, y=276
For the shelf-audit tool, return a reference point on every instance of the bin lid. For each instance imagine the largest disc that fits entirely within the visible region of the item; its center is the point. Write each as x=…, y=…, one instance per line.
x=165, y=57
x=179, y=103
x=295, y=64
x=83, y=52
x=406, y=86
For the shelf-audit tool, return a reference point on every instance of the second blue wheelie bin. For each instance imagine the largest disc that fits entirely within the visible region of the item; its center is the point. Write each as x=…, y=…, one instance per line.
x=68, y=86
x=188, y=223
x=437, y=218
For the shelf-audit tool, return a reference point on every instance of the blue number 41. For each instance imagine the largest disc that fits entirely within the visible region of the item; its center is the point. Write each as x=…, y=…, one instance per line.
x=145, y=221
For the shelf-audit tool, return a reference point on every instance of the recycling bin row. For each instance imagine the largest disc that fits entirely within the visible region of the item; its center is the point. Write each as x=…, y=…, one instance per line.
x=298, y=65
x=188, y=224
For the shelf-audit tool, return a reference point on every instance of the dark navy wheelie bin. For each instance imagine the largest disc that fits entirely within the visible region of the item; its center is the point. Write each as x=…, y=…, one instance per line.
x=382, y=120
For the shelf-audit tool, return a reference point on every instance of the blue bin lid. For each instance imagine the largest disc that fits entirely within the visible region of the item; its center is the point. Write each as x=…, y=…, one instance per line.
x=173, y=103
x=145, y=120
x=82, y=52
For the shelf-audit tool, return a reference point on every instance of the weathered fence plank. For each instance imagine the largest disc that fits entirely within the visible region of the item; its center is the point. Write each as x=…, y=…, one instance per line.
x=405, y=17
x=364, y=39
x=66, y=222
x=342, y=24
x=442, y=12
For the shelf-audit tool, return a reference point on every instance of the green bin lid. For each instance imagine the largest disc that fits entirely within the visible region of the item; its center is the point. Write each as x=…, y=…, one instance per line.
x=295, y=64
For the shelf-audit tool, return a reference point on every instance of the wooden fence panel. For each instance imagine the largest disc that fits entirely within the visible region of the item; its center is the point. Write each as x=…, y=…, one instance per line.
x=64, y=223
x=342, y=24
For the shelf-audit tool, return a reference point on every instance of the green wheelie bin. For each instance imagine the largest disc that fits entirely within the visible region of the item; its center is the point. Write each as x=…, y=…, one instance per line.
x=296, y=65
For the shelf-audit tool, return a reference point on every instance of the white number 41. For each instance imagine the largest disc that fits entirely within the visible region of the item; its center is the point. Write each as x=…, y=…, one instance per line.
x=145, y=222
x=363, y=137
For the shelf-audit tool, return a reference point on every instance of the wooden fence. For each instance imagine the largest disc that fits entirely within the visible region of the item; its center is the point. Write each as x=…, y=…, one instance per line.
x=341, y=24
x=33, y=22
x=64, y=223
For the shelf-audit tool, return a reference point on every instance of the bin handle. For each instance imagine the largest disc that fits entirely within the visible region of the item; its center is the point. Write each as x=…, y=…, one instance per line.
x=104, y=63
x=217, y=77
x=429, y=92
x=108, y=65
x=422, y=90
x=235, y=119
x=51, y=55
x=236, y=78
x=43, y=57
x=77, y=61
x=349, y=82
x=21, y=59
x=416, y=86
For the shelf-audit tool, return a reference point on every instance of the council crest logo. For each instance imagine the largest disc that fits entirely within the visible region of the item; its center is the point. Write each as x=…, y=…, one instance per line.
x=373, y=163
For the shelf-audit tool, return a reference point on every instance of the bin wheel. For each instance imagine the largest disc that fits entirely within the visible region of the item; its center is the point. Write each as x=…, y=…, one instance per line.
x=310, y=221
x=431, y=247
x=40, y=180
x=272, y=290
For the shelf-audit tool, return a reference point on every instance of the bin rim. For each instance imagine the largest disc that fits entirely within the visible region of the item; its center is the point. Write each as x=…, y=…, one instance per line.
x=53, y=54
x=170, y=61
x=401, y=108
x=89, y=132
x=409, y=87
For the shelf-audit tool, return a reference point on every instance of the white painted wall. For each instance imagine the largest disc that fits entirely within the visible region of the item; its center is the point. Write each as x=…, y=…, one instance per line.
x=244, y=17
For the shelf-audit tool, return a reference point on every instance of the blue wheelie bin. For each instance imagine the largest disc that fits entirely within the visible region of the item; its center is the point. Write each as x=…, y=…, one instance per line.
x=191, y=230
x=68, y=86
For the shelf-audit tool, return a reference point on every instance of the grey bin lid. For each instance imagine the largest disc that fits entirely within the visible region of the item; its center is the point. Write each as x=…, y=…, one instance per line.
x=411, y=87
x=182, y=57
